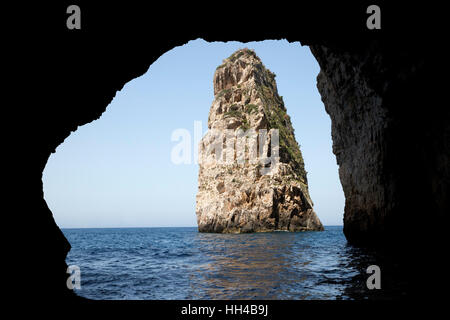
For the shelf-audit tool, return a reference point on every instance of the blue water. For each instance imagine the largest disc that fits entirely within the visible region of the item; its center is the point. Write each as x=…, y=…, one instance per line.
x=180, y=263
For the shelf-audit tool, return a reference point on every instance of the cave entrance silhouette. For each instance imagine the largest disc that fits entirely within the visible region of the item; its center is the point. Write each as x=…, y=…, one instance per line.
x=117, y=171
x=102, y=175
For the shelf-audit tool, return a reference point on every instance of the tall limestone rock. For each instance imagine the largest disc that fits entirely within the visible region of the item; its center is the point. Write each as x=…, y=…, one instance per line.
x=251, y=175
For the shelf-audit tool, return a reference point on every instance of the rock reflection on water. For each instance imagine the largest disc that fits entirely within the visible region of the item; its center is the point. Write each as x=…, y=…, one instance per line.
x=180, y=263
x=243, y=267
x=277, y=265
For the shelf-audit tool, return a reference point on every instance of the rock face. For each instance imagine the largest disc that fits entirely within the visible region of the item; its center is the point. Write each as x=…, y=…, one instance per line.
x=391, y=149
x=251, y=175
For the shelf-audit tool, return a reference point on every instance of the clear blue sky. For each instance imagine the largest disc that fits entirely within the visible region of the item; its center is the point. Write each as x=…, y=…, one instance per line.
x=117, y=171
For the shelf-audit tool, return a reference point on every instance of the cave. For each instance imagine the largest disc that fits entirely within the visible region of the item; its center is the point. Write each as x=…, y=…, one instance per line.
x=390, y=133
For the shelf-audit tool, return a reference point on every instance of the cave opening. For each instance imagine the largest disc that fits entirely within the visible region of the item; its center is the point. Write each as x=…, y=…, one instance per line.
x=118, y=171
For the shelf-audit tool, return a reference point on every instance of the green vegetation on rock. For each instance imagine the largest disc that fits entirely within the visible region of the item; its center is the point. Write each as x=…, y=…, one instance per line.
x=249, y=108
x=223, y=92
x=278, y=119
x=233, y=113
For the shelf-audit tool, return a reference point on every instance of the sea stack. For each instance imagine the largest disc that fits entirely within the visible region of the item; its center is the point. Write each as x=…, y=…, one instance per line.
x=251, y=175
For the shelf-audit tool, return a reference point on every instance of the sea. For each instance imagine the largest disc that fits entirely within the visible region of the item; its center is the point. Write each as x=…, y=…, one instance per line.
x=181, y=263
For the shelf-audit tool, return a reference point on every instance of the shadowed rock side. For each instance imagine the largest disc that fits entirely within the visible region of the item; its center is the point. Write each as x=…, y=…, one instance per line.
x=237, y=195
x=389, y=137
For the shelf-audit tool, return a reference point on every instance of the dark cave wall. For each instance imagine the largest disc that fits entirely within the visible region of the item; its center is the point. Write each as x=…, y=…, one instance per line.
x=392, y=155
x=81, y=91
x=390, y=136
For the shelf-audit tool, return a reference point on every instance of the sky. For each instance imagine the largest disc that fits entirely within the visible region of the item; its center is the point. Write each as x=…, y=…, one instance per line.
x=117, y=171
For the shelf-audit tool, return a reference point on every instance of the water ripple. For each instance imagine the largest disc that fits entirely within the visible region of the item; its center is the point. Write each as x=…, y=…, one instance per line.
x=180, y=263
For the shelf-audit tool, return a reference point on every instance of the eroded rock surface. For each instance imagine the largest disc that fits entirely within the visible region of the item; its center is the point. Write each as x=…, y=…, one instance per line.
x=246, y=182
x=389, y=137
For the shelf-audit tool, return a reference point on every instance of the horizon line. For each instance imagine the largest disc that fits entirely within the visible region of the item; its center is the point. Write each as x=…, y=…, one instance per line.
x=329, y=225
